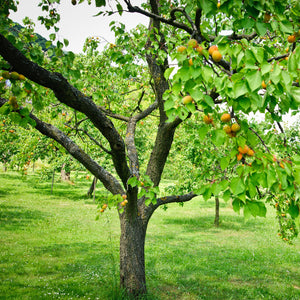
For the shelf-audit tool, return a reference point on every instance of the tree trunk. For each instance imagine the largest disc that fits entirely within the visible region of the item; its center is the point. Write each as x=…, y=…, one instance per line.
x=132, y=258
x=92, y=187
x=65, y=176
x=217, y=213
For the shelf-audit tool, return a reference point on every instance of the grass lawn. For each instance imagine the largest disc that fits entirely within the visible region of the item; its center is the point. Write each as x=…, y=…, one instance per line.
x=51, y=247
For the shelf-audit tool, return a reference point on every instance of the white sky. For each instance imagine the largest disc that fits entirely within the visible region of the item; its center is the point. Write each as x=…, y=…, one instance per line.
x=77, y=22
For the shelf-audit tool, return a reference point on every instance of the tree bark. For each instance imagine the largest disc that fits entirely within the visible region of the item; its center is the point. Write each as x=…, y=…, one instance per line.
x=132, y=257
x=217, y=212
x=65, y=176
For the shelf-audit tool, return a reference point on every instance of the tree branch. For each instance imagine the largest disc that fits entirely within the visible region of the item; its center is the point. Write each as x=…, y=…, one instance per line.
x=108, y=180
x=73, y=98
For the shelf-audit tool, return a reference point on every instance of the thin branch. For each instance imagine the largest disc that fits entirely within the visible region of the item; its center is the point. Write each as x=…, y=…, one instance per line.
x=262, y=141
x=113, y=115
x=278, y=57
x=237, y=37
x=108, y=180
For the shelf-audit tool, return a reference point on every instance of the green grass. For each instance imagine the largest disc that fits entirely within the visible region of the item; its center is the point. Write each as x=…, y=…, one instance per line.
x=51, y=247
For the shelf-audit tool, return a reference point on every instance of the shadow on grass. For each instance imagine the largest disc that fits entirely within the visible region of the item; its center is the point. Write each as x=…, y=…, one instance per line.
x=16, y=217
x=201, y=223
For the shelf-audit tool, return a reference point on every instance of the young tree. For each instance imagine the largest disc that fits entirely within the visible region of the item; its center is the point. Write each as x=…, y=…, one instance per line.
x=246, y=70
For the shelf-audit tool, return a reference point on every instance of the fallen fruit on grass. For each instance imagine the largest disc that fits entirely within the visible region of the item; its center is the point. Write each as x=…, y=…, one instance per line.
x=225, y=118
x=187, y=99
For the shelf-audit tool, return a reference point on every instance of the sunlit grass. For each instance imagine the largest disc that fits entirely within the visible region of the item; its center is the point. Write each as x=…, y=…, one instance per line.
x=51, y=247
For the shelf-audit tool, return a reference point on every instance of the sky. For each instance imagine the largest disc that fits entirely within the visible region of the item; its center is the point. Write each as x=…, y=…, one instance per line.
x=77, y=22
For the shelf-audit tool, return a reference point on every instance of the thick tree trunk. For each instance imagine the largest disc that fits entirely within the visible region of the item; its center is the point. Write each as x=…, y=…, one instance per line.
x=132, y=258
x=217, y=213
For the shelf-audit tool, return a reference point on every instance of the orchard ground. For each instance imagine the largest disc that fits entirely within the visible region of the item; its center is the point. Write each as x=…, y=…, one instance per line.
x=53, y=248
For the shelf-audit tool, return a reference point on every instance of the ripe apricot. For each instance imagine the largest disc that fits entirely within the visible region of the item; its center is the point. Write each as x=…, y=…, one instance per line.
x=212, y=49
x=235, y=127
x=263, y=85
x=192, y=43
x=181, y=49
x=22, y=77
x=250, y=152
x=239, y=156
x=227, y=129
x=207, y=119
x=243, y=150
x=218, y=5
x=291, y=38
x=225, y=118
x=199, y=49
x=190, y=62
x=216, y=56
x=187, y=99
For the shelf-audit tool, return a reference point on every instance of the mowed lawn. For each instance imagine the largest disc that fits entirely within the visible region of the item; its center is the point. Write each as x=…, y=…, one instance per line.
x=51, y=247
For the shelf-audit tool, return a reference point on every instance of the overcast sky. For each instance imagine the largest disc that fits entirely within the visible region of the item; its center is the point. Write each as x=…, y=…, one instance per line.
x=77, y=22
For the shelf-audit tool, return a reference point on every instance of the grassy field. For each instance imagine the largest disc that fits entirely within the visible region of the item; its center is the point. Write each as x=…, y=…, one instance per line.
x=51, y=247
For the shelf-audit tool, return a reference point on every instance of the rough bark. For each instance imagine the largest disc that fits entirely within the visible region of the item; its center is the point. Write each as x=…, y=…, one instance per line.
x=132, y=257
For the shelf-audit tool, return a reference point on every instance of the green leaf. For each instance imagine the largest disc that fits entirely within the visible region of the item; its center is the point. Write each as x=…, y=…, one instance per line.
x=100, y=3
x=295, y=93
x=294, y=211
x=66, y=42
x=226, y=195
x=254, y=80
x=168, y=72
x=237, y=204
x=133, y=181
x=209, y=100
x=202, y=132
x=240, y=88
x=224, y=162
x=218, y=137
x=237, y=186
x=261, y=28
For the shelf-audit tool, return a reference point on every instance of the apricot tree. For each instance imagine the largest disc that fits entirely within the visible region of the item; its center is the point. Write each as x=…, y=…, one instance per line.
x=253, y=66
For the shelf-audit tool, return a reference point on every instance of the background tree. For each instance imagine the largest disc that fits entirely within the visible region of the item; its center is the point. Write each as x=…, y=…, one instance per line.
x=246, y=71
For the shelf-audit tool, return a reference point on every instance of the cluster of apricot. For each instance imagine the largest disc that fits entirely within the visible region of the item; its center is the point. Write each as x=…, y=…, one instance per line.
x=230, y=129
x=244, y=151
x=13, y=75
x=103, y=208
x=192, y=43
x=125, y=201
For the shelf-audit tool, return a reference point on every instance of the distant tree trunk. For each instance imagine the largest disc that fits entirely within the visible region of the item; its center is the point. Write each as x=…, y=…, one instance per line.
x=132, y=257
x=217, y=213
x=92, y=187
x=65, y=176
x=53, y=175
x=4, y=167
x=33, y=167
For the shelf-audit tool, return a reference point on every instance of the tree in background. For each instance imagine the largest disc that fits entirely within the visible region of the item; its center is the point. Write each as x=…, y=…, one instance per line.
x=220, y=79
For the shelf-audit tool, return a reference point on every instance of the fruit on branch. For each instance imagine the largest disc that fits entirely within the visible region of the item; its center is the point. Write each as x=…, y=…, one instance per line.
x=192, y=43
x=207, y=119
x=212, y=49
x=227, y=129
x=250, y=152
x=235, y=127
x=263, y=85
x=104, y=206
x=22, y=77
x=216, y=56
x=219, y=4
x=181, y=49
x=13, y=102
x=199, y=49
x=190, y=62
x=239, y=156
x=14, y=75
x=123, y=203
x=267, y=17
x=225, y=118
x=291, y=38
x=124, y=196
x=5, y=75
x=187, y=99
x=243, y=150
